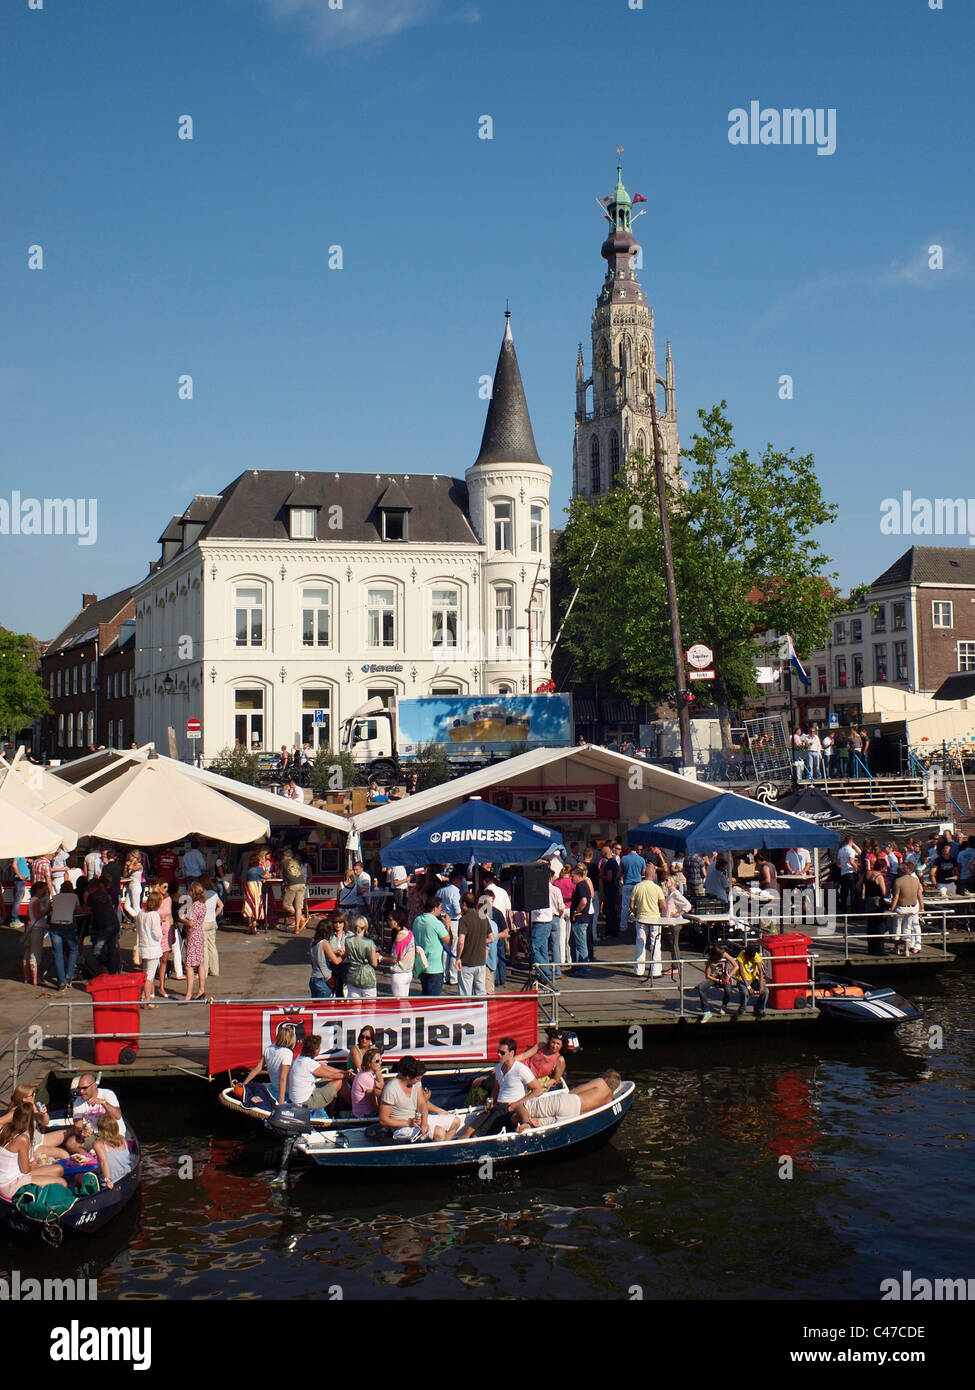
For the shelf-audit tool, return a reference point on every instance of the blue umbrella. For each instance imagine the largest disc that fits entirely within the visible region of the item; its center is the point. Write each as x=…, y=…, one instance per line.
x=474, y=830
x=732, y=822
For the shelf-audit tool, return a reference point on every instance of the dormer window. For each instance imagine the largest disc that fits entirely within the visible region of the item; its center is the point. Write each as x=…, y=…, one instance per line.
x=303, y=523
x=394, y=524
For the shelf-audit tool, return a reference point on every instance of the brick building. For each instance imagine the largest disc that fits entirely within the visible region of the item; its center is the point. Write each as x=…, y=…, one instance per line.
x=75, y=678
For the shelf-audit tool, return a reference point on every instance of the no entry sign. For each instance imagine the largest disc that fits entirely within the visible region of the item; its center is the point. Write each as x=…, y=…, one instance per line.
x=192, y=728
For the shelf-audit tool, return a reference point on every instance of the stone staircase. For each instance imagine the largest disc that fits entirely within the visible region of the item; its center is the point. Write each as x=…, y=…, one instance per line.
x=907, y=794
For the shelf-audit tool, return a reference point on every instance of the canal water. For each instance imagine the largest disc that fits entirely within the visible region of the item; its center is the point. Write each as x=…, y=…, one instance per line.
x=798, y=1168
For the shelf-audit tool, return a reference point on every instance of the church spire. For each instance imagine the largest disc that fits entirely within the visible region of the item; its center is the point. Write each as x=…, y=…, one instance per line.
x=508, y=436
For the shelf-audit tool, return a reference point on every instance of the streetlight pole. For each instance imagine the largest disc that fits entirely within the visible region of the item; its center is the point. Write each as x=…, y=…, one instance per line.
x=683, y=713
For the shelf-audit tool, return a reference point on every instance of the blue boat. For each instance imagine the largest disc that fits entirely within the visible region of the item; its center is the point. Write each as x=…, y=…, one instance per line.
x=88, y=1214
x=352, y=1150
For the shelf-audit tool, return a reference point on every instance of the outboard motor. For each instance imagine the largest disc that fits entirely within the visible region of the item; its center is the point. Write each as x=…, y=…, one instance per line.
x=290, y=1119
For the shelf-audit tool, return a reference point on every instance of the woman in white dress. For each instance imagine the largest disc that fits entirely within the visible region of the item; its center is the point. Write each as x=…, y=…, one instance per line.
x=149, y=924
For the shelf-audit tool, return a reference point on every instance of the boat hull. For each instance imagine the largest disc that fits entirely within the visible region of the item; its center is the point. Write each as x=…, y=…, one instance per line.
x=89, y=1214
x=563, y=1139
x=856, y=1004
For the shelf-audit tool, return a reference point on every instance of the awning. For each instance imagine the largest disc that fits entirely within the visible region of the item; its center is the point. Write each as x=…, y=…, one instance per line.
x=584, y=710
x=618, y=712
x=960, y=686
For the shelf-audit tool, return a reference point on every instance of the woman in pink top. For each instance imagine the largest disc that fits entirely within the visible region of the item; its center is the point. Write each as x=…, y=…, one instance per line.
x=165, y=910
x=367, y=1085
x=565, y=887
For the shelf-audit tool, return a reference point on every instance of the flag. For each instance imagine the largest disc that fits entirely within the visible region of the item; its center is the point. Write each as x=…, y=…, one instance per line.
x=787, y=652
x=639, y=198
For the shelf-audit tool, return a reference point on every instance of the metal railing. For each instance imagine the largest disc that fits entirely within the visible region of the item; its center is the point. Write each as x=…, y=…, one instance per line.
x=857, y=761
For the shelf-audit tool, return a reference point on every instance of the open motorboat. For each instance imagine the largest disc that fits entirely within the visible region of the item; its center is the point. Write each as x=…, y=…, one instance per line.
x=353, y=1147
x=853, y=1002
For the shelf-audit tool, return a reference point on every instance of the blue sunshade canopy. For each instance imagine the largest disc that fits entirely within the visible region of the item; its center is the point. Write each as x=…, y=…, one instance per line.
x=732, y=822
x=475, y=828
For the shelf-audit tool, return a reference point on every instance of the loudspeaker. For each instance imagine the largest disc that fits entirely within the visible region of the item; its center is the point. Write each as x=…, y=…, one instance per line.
x=527, y=886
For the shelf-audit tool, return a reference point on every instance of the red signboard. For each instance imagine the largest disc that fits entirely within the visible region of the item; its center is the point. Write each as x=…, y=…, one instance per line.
x=434, y=1029
x=192, y=726
x=600, y=801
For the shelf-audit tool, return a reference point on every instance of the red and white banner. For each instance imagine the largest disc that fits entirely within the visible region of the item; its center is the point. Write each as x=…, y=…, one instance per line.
x=433, y=1029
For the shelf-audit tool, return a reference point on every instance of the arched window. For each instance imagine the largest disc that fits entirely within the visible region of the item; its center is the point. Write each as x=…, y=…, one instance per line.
x=594, y=473
x=614, y=459
x=641, y=444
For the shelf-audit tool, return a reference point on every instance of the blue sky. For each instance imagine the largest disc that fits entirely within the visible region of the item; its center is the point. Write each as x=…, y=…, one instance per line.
x=315, y=127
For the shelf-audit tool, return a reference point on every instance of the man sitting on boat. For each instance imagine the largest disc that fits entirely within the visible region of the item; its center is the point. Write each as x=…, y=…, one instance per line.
x=310, y=1082
x=566, y=1105
x=512, y=1081
x=405, y=1108
x=93, y=1101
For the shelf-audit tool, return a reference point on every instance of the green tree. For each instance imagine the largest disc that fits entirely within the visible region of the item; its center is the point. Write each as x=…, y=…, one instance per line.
x=333, y=772
x=431, y=765
x=746, y=560
x=22, y=697
x=237, y=762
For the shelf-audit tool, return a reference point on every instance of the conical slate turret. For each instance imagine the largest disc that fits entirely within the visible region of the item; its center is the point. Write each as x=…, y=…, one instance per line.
x=508, y=436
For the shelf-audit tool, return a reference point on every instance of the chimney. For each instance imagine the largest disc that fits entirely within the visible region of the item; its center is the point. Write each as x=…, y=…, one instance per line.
x=87, y=599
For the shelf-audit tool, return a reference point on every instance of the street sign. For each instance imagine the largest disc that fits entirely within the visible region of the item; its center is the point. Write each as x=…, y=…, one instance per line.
x=700, y=675
x=834, y=720
x=321, y=716
x=699, y=655
x=192, y=728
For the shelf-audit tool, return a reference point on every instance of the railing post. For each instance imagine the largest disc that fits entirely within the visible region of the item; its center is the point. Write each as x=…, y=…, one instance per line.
x=680, y=984
x=846, y=934
x=70, y=1038
x=16, y=1066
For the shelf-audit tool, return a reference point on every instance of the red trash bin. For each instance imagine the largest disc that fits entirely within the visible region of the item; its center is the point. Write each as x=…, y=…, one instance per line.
x=790, y=978
x=115, y=1009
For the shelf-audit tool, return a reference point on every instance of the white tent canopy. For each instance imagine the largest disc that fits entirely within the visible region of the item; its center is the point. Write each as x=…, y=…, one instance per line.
x=28, y=784
x=645, y=791
x=148, y=804
x=28, y=831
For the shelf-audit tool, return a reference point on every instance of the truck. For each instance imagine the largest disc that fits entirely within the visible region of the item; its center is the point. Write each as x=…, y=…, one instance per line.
x=474, y=730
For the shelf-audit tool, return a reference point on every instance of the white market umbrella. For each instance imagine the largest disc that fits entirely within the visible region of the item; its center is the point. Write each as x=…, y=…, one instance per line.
x=28, y=784
x=150, y=804
x=28, y=831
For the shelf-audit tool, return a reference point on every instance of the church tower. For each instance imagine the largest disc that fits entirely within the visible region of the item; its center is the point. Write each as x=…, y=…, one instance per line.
x=615, y=423
x=509, y=490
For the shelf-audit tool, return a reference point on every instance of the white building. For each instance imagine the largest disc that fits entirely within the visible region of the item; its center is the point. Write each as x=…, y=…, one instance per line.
x=288, y=594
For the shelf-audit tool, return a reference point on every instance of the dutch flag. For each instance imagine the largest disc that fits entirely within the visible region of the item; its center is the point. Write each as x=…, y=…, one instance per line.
x=787, y=652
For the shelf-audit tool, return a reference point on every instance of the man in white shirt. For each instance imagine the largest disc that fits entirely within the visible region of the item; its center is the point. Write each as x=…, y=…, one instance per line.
x=511, y=1082
x=797, y=861
x=93, y=1101
x=846, y=860
x=194, y=864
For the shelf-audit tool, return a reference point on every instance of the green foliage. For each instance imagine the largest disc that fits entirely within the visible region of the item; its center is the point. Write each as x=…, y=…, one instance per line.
x=332, y=772
x=745, y=560
x=22, y=696
x=431, y=765
x=238, y=763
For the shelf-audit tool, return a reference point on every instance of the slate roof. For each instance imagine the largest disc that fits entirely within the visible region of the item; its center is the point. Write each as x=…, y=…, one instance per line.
x=508, y=436
x=930, y=564
x=255, y=506
x=87, y=620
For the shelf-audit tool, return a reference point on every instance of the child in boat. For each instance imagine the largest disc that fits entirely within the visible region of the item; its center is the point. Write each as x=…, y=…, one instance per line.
x=112, y=1152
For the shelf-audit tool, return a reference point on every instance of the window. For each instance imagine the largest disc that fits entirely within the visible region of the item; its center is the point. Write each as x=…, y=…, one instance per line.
x=614, y=459
x=641, y=439
x=966, y=656
x=111, y=733
x=119, y=734
x=52, y=685
x=60, y=730
x=316, y=716
x=595, y=479
x=69, y=727
x=131, y=682
x=249, y=718
x=841, y=672
x=880, y=619
x=821, y=679
x=249, y=603
x=59, y=684
x=446, y=617
x=314, y=617
x=381, y=618
x=74, y=673
x=91, y=728
x=303, y=521
x=900, y=661
x=502, y=526
x=880, y=662
x=858, y=670
x=444, y=690
x=394, y=525
x=84, y=679
x=384, y=694
x=941, y=615
x=504, y=612
x=536, y=617
x=856, y=629
x=839, y=632
x=536, y=530
x=899, y=616
x=80, y=730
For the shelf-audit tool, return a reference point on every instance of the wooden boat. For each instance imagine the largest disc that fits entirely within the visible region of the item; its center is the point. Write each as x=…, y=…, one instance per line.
x=351, y=1149
x=88, y=1214
x=876, y=1008
x=448, y=1088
